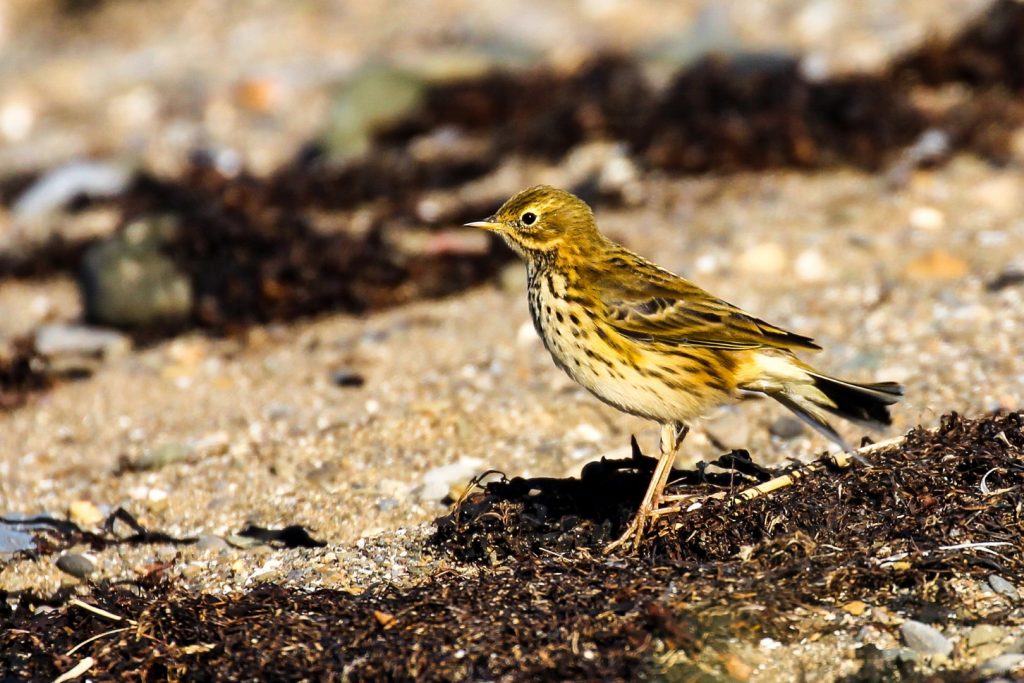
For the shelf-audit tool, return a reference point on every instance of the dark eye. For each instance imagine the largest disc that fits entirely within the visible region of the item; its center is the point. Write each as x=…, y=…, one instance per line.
x=528, y=218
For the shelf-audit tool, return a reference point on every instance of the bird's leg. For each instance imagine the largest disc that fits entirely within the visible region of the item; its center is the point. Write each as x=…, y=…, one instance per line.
x=672, y=434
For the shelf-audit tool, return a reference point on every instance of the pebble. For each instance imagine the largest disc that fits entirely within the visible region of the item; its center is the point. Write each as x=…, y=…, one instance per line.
x=162, y=455
x=927, y=218
x=387, y=504
x=811, y=266
x=85, y=513
x=937, y=264
x=855, y=607
x=127, y=281
x=59, y=340
x=786, y=427
x=729, y=428
x=211, y=543
x=437, y=483
x=762, y=259
x=76, y=565
x=61, y=185
x=984, y=633
x=375, y=96
x=1002, y=664
x=925, y=639
x=1003, y=587
x=347, y=378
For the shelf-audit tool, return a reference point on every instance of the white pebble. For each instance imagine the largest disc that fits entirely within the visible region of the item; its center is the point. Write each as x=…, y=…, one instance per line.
x=927, y=218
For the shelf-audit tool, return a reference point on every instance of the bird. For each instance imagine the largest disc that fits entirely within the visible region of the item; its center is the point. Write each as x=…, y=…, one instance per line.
x=653, y=344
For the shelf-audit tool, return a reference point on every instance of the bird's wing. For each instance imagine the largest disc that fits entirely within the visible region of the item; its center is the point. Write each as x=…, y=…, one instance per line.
x=651, y=304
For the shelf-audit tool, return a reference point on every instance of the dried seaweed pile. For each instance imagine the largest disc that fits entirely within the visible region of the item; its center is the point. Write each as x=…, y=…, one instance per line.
x=882, y=535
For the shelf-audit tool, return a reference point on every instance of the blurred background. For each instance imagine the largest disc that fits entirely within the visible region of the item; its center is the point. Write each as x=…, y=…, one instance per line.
x=233, y=280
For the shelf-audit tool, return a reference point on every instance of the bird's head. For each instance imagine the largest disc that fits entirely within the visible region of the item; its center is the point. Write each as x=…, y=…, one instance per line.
x=543, y=221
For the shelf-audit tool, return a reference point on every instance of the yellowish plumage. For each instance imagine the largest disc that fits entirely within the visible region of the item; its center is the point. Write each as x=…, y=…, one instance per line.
x=653, y=344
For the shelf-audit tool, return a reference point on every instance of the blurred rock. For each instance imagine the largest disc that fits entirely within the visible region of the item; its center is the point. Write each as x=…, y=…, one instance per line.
x=127, y=282
x=84, y=513
x=437, y=482
x=937, y=264
x=984, y=633
x=160, y=456
x=373, y=98
x=78, y=566
x=1003, y=587
x=925, y=639
x=786, y=427
x=347, y=378
x=70, y=348
x=811, y=266
x=58, y=187
x=729, y=429
x=762, y=259
x=1002, y=664
x=927, y=218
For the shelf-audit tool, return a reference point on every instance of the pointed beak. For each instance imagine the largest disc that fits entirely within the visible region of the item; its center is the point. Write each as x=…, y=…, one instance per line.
x=488, y=224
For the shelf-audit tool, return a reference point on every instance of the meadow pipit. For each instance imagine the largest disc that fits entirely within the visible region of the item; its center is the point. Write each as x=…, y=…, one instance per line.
x=653, y=344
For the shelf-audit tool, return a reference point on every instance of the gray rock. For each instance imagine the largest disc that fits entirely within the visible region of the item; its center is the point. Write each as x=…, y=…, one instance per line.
x=78, y=341
x=13, y=539
x=126, y=281
x=162, y=455
x=211, y=543
x=1003, y=587
x=59, y=186
x=728, y=429
x=786, y=427
x=378, y=95
x=925, y=639
x=984, y=633
x=1002, y=664
x=78, y=566
x=386, y=504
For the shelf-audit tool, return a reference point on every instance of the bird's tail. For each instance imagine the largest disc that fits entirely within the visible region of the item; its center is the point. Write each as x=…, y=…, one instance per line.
x=813, y=396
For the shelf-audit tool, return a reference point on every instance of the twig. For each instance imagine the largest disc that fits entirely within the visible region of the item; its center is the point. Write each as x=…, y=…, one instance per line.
x=99, y=612
x=840, y=460
x=95, y=637
x=76, y=671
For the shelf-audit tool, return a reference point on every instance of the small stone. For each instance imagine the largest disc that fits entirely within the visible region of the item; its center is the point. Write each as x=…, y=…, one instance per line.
x=1003, y=587
x=347, y=378
x=375, y=97
x=737, y=668
x=56, y=341
x=927, y=218
x=84, y=513
x=937, y=264
x=762, y=259
x=127, y=281
x=811, y=266
x=387, y=504
x=925, y=639
x=437, y=482
x=729, y=429
x=786, y=428
x=161, y=456
x=984, y=633
x=78, y=566
x=1002, y=664
x=55, y=189
x=211, y=543
x=855, y=607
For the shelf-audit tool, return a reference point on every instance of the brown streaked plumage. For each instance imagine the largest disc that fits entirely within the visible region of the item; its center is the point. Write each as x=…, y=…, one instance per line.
x=653, y=344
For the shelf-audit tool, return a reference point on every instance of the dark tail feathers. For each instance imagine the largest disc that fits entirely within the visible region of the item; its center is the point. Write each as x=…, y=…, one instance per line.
x=866, y=404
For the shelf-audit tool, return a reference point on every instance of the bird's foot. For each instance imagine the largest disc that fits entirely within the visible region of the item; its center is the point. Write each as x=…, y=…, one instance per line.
x=630, y=539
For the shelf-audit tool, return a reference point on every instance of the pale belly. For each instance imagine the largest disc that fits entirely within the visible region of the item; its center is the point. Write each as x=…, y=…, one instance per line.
x=636, y=385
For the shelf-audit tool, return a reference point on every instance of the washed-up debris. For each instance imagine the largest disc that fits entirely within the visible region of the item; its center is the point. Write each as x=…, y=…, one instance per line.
x=754, y=572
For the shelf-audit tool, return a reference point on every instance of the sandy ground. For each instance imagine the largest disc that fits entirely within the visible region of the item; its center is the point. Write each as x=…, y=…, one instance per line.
x=891, y=282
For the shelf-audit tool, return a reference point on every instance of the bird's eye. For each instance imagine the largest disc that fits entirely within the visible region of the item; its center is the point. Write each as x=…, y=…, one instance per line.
x=528, y=218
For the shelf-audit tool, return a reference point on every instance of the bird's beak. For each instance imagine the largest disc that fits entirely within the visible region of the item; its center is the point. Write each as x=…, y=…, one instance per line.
x=488, y=224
